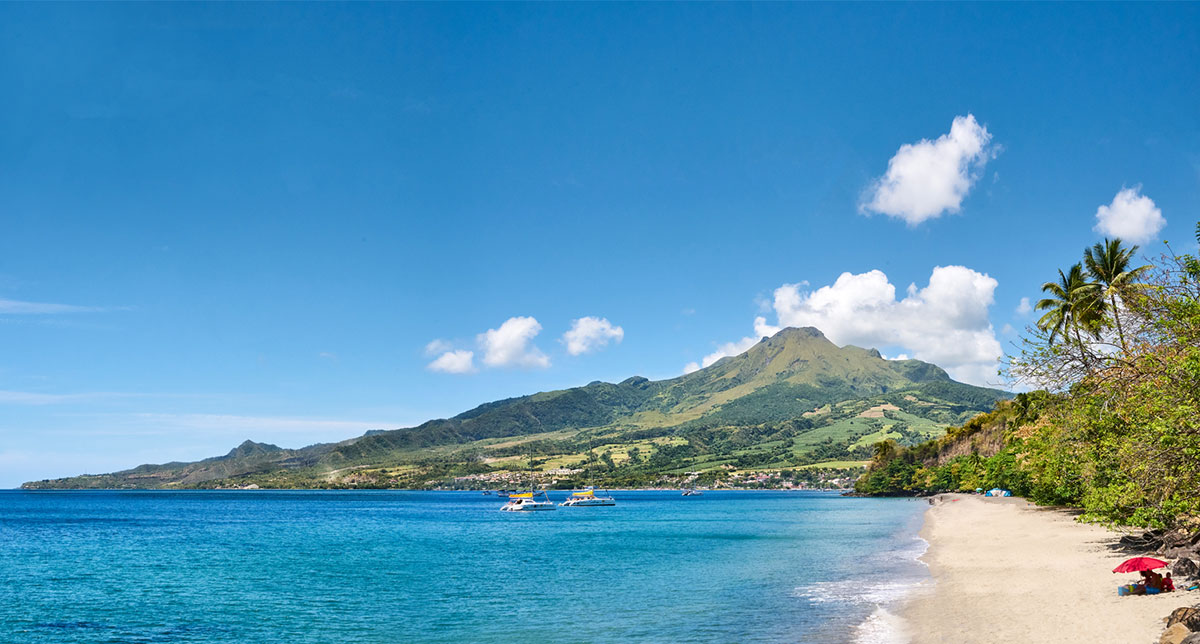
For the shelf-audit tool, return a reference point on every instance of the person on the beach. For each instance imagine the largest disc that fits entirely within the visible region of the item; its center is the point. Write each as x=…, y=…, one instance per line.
x=1168, y=584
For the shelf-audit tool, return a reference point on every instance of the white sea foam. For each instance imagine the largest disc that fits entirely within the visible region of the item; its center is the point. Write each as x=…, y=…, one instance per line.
x=858, y=592
x=913, y=552
x=895, y=575
x=882, y=627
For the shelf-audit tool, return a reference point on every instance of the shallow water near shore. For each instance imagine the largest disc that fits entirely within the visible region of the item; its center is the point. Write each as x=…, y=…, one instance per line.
x=390, y=566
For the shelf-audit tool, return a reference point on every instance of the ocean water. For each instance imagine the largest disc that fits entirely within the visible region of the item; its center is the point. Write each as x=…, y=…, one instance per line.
x=390, y=566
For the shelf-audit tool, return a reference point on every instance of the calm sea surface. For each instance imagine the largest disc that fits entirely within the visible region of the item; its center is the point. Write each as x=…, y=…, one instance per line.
x=246, y=567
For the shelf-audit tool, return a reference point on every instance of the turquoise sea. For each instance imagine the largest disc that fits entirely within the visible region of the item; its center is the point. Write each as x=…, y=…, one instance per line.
x=392, y=566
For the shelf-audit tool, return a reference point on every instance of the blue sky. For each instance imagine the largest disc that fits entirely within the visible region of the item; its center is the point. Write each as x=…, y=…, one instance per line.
x=221, y=222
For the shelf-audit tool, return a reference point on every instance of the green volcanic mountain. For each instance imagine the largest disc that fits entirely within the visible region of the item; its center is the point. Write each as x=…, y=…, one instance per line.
x=794, y=400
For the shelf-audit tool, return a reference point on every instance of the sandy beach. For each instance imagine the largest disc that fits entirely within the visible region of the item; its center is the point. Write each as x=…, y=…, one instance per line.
x=1007, y=571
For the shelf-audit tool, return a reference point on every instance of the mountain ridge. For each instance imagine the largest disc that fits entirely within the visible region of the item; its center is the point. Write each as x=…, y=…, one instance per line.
x=770, y=395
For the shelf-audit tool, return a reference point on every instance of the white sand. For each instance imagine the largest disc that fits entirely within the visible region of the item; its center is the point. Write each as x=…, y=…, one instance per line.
x=1007, y=571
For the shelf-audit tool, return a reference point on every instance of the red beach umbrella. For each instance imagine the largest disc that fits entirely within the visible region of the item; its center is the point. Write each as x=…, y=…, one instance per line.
x=1138, y=564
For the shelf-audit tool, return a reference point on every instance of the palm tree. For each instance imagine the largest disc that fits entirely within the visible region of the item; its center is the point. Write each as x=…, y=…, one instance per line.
x=1073, y=305
x=1108, y=263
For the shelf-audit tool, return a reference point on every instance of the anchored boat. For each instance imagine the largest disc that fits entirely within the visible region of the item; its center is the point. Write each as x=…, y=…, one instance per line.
x=528, y=502
x=587, y=498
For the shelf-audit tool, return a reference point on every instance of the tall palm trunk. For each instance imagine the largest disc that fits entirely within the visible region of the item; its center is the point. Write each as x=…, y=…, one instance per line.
x=1083, y=354
x=1117, y=320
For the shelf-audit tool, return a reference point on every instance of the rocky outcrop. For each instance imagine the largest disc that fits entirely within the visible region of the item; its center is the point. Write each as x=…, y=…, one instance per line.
x=1185, y=567
x=1175, y=634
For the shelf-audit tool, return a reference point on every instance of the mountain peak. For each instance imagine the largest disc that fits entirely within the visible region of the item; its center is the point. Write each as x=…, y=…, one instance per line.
x=801, y=332
x=250, y=448
x=798, y=336
x=803, y=355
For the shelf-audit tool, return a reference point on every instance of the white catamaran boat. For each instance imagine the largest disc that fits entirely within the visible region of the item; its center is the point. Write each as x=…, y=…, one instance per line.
x=587, y=498
x=528, y=502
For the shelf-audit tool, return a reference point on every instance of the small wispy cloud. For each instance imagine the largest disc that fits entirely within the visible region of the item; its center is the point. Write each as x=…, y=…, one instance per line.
x=38, y=398
x=267, y=424
x=460, y=361
x=438, y=346
x=18, y=307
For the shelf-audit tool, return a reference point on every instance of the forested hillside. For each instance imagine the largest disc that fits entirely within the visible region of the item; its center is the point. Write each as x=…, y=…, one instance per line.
x=1114, y=427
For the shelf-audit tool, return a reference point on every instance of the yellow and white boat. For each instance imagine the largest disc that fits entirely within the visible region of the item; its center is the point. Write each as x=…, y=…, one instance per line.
x=587, y=498
x=528, y=502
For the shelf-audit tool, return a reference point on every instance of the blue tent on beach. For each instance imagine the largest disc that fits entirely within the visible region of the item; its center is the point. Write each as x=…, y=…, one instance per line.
x=997, y=492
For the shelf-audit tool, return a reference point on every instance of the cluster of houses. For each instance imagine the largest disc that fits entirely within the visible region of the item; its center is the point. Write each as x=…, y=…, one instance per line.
x=811, y=480
x=814, y=479
x=511, y=480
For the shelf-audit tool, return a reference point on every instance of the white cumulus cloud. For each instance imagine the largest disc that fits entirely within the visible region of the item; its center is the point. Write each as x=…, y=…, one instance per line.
x=590, y=333
x=1131, y=216
x=928, y=178
x=512, y=344
x=460, y=361
x=945, y=323
x=1024, y=307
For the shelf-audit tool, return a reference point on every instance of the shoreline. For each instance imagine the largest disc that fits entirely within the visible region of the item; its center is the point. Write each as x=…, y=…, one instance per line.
x=839, y=491
x=1005, y=570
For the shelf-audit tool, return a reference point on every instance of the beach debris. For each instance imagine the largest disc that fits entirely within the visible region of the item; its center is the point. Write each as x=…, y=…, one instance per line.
x=1148, y=540
x=1189, y=616
x=1182, y=541
x=1180, y=537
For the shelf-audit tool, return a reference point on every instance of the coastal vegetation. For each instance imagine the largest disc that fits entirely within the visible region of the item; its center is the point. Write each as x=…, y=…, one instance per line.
x=1113, y=425
x=795, y=409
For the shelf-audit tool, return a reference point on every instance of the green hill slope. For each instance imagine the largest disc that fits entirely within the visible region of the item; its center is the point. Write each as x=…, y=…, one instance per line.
x=792, y=400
